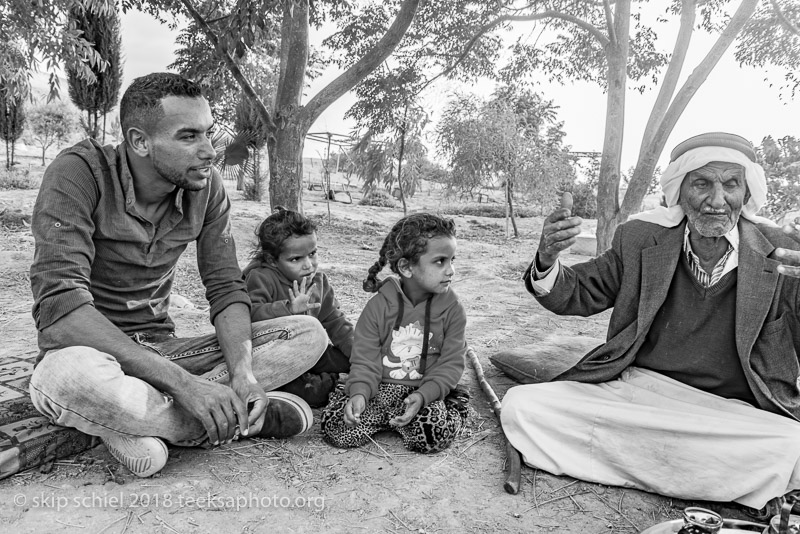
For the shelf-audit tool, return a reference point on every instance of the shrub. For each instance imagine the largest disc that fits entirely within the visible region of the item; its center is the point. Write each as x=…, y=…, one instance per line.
x=378, y=197
x=584, y=200
x=250, y=191
x=496, y=211
x=16, y=178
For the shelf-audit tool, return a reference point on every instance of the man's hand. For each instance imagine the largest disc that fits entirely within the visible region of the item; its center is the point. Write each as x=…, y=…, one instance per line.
x=558, y=233
x=790, y=259
x=216, y=406
x=353, y=409
x=255, y=400
x=413, y=404
x=300, y=298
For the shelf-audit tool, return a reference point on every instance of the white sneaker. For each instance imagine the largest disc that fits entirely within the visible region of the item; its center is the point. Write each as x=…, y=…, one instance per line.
x=144, y=456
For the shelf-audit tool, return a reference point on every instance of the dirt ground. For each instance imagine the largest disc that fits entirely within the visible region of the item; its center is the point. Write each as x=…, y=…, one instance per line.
x=303, y=484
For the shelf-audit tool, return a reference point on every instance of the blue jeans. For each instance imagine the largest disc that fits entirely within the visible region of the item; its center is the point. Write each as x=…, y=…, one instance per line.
x=83, y=388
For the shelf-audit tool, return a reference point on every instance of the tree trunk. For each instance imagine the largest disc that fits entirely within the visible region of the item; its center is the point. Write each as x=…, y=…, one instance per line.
x=400, y=162
x=43, y=151
x=293, y=121
x=258, y=183
x=509, y=198
x=286, y=143
x=240, y=179
x=610, y=160
x=285, y=153
x=660, y=127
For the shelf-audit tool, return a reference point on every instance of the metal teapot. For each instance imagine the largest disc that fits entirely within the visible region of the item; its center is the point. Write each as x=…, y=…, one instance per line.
x=787, y=522
x=701, y=521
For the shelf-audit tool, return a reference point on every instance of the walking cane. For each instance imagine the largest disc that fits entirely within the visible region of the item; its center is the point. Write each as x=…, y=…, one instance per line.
x=513, y=459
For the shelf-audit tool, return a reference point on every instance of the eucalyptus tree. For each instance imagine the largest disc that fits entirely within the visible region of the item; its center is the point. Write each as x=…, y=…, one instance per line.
x=50, y=124
x=98, y=97
x=286, y=116
x=781, y=161
x=48, y=39
x=388, y=108
x=514, y=138
x=12, y=124
x=612, y=43
x=14, y=89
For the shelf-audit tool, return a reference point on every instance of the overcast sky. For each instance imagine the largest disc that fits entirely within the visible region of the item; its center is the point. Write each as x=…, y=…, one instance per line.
x=732, y=99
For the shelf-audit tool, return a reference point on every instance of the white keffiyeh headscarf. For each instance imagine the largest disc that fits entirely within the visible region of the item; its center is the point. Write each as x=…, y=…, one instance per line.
x=693, y=159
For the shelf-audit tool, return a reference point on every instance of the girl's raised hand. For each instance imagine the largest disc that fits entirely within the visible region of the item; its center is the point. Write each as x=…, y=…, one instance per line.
x=353, y=409
x=413, y=404
x=300, y=298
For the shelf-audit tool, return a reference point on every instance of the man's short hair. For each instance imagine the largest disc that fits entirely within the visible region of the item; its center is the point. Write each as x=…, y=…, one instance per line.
x=141, y=104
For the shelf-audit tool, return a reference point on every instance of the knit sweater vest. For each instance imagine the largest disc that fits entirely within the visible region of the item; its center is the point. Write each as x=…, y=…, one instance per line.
x=692, y=338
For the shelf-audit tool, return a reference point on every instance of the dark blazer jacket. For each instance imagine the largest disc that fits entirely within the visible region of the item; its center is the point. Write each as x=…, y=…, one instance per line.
x=633, y=277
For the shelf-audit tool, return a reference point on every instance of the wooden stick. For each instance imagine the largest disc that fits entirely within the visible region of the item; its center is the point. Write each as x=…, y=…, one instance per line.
x=514, y=460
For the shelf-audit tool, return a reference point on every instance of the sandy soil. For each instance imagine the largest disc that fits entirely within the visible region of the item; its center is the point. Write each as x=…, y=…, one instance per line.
x=304, y=485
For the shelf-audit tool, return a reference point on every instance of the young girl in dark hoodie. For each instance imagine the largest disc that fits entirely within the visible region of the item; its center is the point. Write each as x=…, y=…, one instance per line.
x=409, y=346
x=283, y=279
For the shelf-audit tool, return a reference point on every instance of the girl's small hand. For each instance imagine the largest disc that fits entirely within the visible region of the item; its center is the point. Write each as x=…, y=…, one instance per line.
x=413, y=404
x=300, y=299
x=353, y=409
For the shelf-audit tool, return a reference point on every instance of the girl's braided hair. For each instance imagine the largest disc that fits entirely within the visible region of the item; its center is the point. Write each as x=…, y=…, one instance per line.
x=408, y=239
x=277, y=228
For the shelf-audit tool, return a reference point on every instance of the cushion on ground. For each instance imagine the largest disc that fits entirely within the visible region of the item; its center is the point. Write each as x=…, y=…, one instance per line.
x=27, y=438
x=544, y=360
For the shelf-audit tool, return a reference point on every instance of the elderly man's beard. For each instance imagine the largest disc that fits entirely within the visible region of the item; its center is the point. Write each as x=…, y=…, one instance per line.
x=710, y=225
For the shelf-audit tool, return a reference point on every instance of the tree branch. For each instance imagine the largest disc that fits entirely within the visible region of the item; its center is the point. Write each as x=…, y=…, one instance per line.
x=231, y=64
x=357, y=72
x=693, y=83
x=517, y=18
x=674, y=68
x=592, y=30
x=783, y=19
x=294, y=60
x=612, y=35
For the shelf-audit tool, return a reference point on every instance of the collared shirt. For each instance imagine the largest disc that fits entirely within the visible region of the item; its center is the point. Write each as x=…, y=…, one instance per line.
x=726, y=264
x=543, y=282
x=93, y=246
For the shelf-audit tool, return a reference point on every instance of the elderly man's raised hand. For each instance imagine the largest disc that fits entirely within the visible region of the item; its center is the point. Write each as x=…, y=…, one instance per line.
x=558, y=233
x=790, y=259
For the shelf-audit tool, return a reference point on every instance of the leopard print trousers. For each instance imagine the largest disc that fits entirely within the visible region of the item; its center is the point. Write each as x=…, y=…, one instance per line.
x=433, y=429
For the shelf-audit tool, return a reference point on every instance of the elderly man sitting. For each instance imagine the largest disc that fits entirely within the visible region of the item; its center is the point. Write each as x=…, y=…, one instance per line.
x=695, y=392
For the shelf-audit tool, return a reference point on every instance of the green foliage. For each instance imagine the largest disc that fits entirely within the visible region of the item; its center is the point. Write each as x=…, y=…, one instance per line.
x=99, y=96
x=372, y=162
x=14, y=89
x=512, y=138
x=251, y=191
x=781, y=162
x=433, y=45
x=584, y=200
x=12, y=124
x=50, y=40
x=16, y=178
x=377, y=197
x=198, y=59
x=772, y=36
x=382, y=98
x=50, y=124
x=569, y=51
x=493, y=210
x=14, y=72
